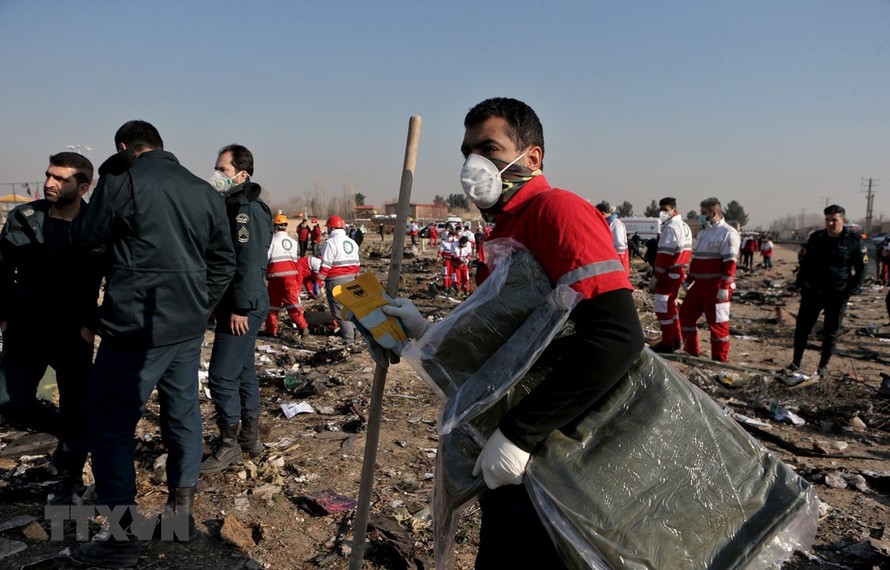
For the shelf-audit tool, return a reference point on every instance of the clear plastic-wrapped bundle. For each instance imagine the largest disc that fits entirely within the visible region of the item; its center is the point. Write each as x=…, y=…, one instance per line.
x=655, y=476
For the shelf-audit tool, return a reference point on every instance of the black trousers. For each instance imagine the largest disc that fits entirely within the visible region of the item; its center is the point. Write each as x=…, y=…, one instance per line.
x=512, y=535
x=28, y=349
x=812, y=302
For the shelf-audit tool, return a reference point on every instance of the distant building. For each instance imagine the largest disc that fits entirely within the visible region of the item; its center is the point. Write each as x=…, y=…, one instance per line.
x=365, y=212
x=419, y=211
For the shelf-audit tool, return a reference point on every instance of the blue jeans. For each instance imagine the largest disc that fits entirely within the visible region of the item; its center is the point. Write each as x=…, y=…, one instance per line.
x=234, y=386
x=123, y=379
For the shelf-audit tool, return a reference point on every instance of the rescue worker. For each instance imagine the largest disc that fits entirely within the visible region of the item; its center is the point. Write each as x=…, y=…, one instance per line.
x=48, y=292
x=283, y=277
x=234, y=386
x=619, y=233
x=433, y=235
x=504, y=149
x=671, y=261
x=162, y=237
x=461, y=253
x=315, y=238
x=480, y=243
x=303, y=233
x=766, y=251
x=339, y=264
x=831, y=271
x=413, y=231
x=444, y=252
x=711, y=281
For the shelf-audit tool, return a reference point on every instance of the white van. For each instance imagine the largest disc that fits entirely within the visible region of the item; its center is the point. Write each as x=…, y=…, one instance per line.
x=454, y=220
x=647, y=228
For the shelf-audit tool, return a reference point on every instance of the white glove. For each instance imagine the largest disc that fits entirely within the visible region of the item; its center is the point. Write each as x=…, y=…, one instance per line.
x=412, y=321
x=722, y=295
x=501, y=462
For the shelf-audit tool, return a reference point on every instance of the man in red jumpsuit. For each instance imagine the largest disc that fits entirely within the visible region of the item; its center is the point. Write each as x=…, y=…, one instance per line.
x=285, y=279
x=674, y=252
x=461, y=253
x=711, y=281
x=504, y=149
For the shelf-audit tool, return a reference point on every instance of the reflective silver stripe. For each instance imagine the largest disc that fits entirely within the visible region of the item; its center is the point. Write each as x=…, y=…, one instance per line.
x=707, y=255
x=289, y=307
x=724, y=339
x=706, y=275
x=345, y=262
x=283, y=273
x=659, y=270
x=590, y=270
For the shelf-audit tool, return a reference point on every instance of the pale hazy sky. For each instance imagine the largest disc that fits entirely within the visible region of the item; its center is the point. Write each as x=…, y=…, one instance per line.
x=776, y=104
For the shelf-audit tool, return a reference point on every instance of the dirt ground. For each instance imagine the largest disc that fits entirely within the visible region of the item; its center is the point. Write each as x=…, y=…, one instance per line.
x=271, y=509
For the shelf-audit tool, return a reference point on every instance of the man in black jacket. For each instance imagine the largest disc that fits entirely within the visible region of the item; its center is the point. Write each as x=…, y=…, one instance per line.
x=832, y=269
x=163, y=238
x=234, y=386
x=48, y=296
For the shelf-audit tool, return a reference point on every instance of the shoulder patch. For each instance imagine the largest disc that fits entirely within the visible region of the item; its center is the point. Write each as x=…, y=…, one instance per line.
x=242, y=218
x=243, y=235
x=28, y=212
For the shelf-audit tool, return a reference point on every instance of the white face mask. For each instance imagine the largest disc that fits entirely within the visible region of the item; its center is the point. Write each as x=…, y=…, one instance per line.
x=481, y=180
x=664, y=216
x=220, y=182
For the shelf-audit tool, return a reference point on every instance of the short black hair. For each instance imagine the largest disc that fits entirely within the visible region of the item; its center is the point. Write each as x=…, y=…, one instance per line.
x=604, y=207
x=525, y=127
x=79, y=162
x=242, y=158
x=710, y=203
x=668, y=201
x=138, y=136
x=835, y=209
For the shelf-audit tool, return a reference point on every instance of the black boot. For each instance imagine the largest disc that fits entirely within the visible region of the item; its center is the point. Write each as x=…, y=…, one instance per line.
x=249, y=437
x=227, y=453
x=172, y=525
x=112, y=552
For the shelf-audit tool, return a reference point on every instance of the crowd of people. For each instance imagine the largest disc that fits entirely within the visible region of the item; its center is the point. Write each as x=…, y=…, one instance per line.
x=176, y=251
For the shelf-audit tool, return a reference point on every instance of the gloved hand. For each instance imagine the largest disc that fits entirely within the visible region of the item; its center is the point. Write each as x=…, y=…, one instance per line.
x=412, y=321
x=652, y=282
x=722, y=295
x=501, y=462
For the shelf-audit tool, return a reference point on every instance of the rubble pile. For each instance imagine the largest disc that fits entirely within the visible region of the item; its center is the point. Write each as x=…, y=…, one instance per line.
x=293, y=506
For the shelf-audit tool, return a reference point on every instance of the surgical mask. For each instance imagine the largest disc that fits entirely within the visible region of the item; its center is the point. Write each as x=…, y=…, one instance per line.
x=220, y=182
x=704, y=219
x=481, y=180
x=664, y=216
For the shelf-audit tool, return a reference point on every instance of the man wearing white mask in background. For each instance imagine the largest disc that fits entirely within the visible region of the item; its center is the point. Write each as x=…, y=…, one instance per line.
x=619, y=233
x=233, y=382
x=504, y=149
x=711, y=282
x=674, y=253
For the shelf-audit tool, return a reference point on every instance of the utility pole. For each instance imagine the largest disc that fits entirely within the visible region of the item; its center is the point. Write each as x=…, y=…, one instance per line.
x=869, y=202
x=826, y=201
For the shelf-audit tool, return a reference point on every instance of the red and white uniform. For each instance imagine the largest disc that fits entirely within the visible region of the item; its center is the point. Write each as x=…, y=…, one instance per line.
x=671, y=261
x=619, y=239
x=712, y=269
x=434, y=235
x=339, y=256
x=283, y=275
x=445, y=253
x=580, y=255
x=460, y=264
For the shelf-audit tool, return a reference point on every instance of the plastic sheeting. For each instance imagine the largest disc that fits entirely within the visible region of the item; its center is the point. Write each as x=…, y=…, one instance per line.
x=656, y=476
